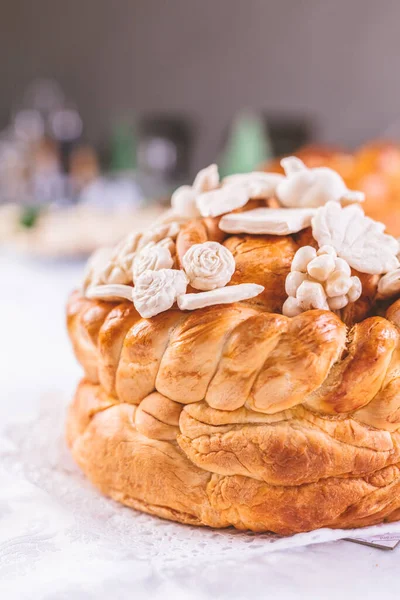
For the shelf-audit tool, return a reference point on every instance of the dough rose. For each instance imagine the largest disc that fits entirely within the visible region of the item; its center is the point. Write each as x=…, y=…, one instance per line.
x=153, y=257
x=156, y=291
x=208, y=266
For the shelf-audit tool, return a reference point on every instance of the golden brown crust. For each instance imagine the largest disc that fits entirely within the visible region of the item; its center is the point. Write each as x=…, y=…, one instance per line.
x=84, y=319
x=266, y=260
x=247, y=475
x=235, y=355
x=235, y=414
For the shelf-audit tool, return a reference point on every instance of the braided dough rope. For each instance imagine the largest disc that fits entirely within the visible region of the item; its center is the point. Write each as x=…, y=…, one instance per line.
x=302, y=417
x=114, y=266
x=306, y=360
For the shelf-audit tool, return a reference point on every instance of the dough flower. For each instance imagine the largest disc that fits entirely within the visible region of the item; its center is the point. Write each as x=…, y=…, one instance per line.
x=156, y=291
x=94, y=267
x=183, y=200
x=319, y=279
x=115, y=266
x=153, y=257
x=208, y=266
x=359, y=240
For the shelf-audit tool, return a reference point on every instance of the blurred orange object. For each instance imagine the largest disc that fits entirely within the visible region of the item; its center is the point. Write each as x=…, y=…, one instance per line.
x=373, y=169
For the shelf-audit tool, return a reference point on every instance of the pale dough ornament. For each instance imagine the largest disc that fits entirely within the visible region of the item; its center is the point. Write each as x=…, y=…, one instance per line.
x=111, y=292
x=94, y=267
x=159, y=232
x=156, y=291
x=118, y=269
x=359, y=240
x=260, y=185
x=170, y=216
x=304, y=187
x=389, y=284
x=293, y=281
x=223, y=200
x=116, y=266
x=311, y=294
x=319, y=280
x=153, y=257
x=226, y=295
x=209, y=265
x=273, y=221
x=183, y=200
x=207, y=179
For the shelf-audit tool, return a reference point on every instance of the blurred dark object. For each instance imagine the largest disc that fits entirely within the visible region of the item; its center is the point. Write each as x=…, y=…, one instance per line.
x=287, y=134
x=164, y=147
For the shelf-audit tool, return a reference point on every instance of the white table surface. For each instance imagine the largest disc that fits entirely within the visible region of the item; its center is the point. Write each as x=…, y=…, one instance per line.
x=35, y=359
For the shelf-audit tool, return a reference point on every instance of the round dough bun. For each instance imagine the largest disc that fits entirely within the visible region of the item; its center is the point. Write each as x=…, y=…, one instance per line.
x=237, y=415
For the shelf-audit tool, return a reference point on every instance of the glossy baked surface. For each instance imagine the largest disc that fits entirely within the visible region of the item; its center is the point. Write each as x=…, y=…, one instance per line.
x=235, y=414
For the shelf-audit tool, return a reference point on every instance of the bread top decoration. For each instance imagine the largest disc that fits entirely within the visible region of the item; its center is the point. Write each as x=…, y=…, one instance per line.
x=389, y=284
x=259, y=185
x=109, y=265
x=183, y=200
x=236, y=191
x=281, y=221
x=280, y=243
x=320, y=280
x=153, y=257
x=356, y=238
x=312, y=187
x=157, y=291
x=209, y=265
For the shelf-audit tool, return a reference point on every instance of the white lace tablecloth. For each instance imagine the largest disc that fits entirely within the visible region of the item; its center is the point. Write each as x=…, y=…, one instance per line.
x=60, y=539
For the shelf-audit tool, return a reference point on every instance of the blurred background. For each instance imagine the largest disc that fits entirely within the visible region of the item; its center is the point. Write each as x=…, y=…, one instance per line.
x=107, y=106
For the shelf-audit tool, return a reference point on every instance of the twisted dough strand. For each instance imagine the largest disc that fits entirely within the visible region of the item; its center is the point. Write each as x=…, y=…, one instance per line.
x=235, y=355
x=136, y=461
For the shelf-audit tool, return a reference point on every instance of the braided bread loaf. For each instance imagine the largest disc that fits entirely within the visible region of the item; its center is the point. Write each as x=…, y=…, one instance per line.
x=235, y=414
